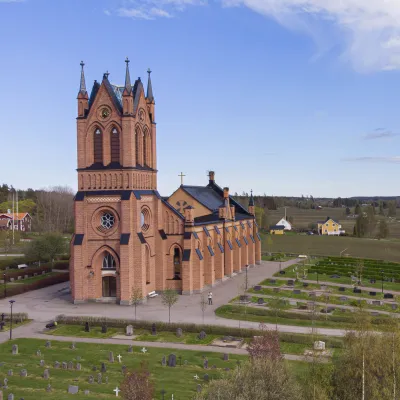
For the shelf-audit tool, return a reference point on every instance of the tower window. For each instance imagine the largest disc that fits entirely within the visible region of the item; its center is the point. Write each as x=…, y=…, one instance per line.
x=108, y=261
x=115, y=147
x=98, y=146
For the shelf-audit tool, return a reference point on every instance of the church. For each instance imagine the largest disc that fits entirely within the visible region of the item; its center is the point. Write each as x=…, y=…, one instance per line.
x=128, y=238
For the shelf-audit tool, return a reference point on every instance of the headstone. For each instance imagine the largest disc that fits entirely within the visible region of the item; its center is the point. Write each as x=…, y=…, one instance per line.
x=394, y=306
x=388, y=296
x=198, y=388
x=56, y=365
x=123, y=369
x=205, y=363
x=70, y=365
x=73, y=346
x=94, y=368
x=343, y=298
x=206, y=377
x=164, y=361
x=111, y=357
x=104, y=328
x=11, y=279
x=293, y=303
x=64, y=365
x=87, y=327
x=296, y=291
x=130, y=349
x=73, y=389
x=86, y=392
x=19, y=277
x=356, y=290
x=91, y=379
x=202, y=335
x=10, y=372
x=372, y=293
x=103, y=368
x=372, y=281
x=48, y=344
x=375, y=314
x=290, y=282
x=319, y=345
x=213, y=366
x=129, y=330
x=5, y=383
x=106, y=380
x=26, y=276
x=42, y=363
x=282, y=272
x=179, y=332
x=312, y=294
x=172, y=360
x=272, y=281
x=99, y=378
x=153, y=330
x=24, y=373
x=226, y=357
x=78, y=367
x=39, y=353
x=10, y=397
x=342, y=289
x=46, y=374
x=376, y=302
x=260, y=300
x=78, y=358
x=48, y=388
x=227, y=369
x=305, y=284
x=257, y=288
x=185, y=362
x=15, y=349
x=276, y=289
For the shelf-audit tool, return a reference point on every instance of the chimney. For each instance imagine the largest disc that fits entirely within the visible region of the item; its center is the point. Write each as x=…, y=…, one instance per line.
x=211, y=174
x=189, y=216
x=226, y=193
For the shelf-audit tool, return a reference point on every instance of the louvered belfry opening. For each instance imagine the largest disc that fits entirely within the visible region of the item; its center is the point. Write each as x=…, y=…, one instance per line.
x=98, y=146
x=115, y=146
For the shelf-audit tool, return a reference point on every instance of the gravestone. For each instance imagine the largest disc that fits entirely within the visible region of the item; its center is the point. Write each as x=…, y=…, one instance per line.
x=296, y=291
x=130, y=349
x=312, y=294
x=179, y=332
x=70, y=365
x=202, y=335
x=305, y=284
x=94, y=368
x=5, y=383
x=24, y=373
x=376, y=302
x=153, y=330
x=48, y=344
x=319, y=345
x=10, y=397
x=205, y=363
x=172, y=360
x=129, y=330
x=342, y=289
x=185, y=362
x=78, y=358
x=46, y=374
x=343, y=298
x=99, y=378
x=206, y=377
x=356, y=290
x=111, y=357
x=73, y=389
x=213, y=366
x=372, y=293
x=293, y=303
x=372, y=281
x=103, y=368
x=15, y=349
x=41, y=363
x=282, y=272
x=106, y=380
x=123, y=369
x=276, y=289
x=48, y=388
x=26, y=276
x=64, y=365
x=260, y=300
x=56, y=365
x=104, y=328
x=39, y=353
x=227, y=369
x=164, y=361
x=78, y=366
x=91, y=379
x=290, y=282
x=375, y=314
x=86, y=392
x=87, y=327
x=244, y=298
x=226, y=357
x=388, y=296
x=257, y=288
x=73, y=346
x=11, y=279
x=198, y=388
x=10, y=372
x=394, y=306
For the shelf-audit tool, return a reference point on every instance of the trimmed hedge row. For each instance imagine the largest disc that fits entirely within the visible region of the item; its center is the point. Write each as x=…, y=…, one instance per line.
x=192, y=328
x=13, y=290
x=17, y=317
x=15, y=273
x=14, y=262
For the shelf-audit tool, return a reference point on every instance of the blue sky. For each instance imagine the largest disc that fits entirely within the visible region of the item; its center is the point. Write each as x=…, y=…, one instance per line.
x=287, y=97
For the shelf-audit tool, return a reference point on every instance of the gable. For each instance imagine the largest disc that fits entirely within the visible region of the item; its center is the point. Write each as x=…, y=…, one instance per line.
x=181, y=199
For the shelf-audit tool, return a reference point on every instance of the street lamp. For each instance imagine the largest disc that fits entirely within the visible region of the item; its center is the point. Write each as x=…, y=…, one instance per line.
x=5, y=285
x=382, y=272
x=11, y=320
x=247, y=282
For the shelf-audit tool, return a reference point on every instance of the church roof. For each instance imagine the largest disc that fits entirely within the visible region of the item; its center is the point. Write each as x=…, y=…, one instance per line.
x=205, y=195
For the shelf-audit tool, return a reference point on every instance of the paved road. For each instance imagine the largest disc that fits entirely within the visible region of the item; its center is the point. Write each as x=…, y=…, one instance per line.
x=44, y=304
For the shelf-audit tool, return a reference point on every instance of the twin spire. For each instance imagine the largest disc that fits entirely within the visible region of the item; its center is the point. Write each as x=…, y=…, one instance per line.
x=82, y=88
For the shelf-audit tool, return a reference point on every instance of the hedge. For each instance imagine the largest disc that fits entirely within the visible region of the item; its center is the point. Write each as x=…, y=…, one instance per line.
x=62, y=265
x=39, y=284
x=15, y=273
x=14, y=262
x=17, y=317
x=192, y=328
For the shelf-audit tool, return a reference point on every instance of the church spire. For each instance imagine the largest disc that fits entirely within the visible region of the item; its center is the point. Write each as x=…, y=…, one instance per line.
x=82, y=88
x=128, y=86
x=149, y=96
x=251, y=201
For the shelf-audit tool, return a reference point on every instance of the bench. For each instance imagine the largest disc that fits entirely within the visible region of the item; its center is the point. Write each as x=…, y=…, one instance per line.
x=152, y=294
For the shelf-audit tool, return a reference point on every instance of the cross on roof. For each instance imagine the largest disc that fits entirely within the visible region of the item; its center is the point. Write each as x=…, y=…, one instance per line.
x=116, y=390
x=181, y=175
x=119, y=357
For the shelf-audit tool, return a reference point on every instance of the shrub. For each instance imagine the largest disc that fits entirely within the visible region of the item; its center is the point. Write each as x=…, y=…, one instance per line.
x=17, y=317
x=15, y=273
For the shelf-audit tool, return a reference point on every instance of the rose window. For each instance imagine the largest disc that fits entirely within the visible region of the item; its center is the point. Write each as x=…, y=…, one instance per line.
x=107, y=220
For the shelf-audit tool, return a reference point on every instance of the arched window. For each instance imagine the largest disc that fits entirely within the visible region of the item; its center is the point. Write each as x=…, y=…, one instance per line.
x=115, y=145
x=108, y=261
x=177, y=263
x=98, y=146
x=145, y=161
x=137, y=146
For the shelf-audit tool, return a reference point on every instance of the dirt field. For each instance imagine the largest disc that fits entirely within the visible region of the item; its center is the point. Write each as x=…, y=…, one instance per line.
x=330, y=245
x=302, y=218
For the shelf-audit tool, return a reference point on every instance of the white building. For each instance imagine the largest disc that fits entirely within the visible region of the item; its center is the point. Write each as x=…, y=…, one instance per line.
x=286, y=224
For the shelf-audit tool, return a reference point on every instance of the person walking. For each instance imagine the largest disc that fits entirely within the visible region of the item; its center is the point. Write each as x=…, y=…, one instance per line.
x=210, y=298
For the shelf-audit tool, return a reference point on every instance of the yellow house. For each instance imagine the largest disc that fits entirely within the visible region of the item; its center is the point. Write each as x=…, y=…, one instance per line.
x=277, y=229
x=329, y=227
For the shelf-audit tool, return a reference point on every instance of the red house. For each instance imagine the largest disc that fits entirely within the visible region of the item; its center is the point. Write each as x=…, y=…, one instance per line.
x=22, y=221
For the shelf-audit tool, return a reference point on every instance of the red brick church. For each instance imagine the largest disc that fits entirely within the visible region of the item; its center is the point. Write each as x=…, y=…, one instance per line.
x=126, y=235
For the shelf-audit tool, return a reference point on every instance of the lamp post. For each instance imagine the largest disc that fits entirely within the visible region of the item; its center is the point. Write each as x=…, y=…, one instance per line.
x=247, y=282
x=11, y=320
x=382, y=272
x=5, y=285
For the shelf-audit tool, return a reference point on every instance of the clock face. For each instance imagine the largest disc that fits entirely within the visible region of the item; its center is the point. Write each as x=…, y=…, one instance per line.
x=181, y=205
x=105, y=112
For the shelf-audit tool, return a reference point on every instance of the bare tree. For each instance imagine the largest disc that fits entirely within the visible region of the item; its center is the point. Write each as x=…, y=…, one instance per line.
x=169, y=297
x=203, y=305
x=136, y=298
x=265, y=345
x=137, y=385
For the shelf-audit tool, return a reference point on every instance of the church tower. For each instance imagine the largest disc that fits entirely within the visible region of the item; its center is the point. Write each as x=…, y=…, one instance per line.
x=117, y=207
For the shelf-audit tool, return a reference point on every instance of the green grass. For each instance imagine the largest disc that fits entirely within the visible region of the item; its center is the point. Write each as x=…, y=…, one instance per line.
x=31, y=279
x=15, y=324
x=178, y=381
x=79, y=331
x=187, y=338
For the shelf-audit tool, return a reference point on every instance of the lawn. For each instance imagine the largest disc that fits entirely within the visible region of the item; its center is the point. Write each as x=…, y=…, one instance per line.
x=179, y=381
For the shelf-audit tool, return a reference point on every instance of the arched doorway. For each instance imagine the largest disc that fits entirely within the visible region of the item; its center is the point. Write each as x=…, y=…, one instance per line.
x=109, y=286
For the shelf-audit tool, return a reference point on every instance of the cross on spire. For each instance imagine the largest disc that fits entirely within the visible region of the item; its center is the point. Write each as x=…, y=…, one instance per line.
x=181, y=175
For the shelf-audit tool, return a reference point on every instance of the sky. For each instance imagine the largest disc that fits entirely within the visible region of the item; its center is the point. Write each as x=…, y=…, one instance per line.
x=285, y=97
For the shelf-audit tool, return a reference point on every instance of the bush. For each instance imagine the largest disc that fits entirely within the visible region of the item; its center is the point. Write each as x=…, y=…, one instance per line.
x=62, y=265
x=15, y=273
x=17, y=317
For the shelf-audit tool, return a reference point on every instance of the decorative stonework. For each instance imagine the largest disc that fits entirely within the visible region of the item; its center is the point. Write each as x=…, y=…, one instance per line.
x=103, y=199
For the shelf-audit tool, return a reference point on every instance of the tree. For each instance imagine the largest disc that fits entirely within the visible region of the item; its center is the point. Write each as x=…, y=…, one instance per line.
x=256, y=379
x=137, y=385
x=136, y=298
x=169, y=297
x=276, y=304
x=47, y=247
x=203, y=305
x=392, y=208
x=381, y=212
x=357, y=209
x=348, y=211
x=265, y=345
x=383, y=229
x=317, y=378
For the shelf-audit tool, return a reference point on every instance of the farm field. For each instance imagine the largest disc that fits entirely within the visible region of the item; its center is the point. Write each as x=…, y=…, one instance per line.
x=302, y=218
x=388, y=250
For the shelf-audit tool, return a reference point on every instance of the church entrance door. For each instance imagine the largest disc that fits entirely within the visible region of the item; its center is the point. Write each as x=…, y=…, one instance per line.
x=109, y=286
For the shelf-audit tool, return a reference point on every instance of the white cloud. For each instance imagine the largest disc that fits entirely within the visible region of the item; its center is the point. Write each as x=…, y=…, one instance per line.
x=158, y=12
x=380, y=133
x=394, y=159
x=369, y=29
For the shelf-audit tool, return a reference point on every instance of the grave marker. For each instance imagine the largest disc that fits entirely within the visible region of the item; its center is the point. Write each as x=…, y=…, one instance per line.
x=73, y=389
x=172, y=360
x=129, y=330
